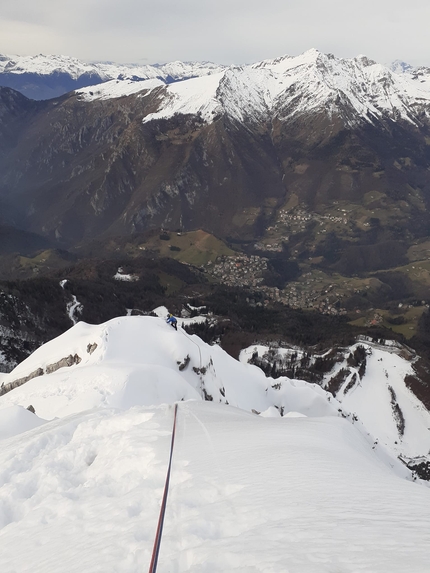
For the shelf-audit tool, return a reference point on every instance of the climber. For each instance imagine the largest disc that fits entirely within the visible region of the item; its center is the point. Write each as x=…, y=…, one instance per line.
x=172, y=321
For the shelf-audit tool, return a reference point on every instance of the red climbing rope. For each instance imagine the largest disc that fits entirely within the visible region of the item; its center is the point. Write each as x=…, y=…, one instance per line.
x=157, y=542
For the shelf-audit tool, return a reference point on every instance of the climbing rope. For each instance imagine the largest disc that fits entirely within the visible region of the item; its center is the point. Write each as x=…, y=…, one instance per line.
x=159, y=533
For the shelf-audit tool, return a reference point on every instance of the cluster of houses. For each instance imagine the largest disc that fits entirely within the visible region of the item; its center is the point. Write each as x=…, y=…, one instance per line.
x=240, y=270
x=248, y=271
x=296, y=221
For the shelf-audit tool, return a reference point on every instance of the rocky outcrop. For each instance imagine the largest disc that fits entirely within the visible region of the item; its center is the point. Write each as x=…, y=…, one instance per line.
x=68, y=361
x=5, y=388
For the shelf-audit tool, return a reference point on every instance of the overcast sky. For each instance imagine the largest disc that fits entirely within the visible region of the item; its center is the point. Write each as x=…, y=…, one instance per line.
x=226, y=31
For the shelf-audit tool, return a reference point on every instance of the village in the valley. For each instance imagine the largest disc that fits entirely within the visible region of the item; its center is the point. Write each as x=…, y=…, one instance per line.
x=311, y=291
x=248, y=271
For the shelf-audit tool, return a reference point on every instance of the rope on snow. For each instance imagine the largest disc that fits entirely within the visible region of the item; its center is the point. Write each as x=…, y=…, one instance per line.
x=159, y=533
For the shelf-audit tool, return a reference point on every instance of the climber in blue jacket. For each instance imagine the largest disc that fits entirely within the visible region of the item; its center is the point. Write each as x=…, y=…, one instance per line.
x=172, y=321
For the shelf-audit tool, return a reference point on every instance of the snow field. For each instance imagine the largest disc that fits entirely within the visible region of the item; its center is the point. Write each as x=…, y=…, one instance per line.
x=72, y=496
x=247, y=494
x=304, y=493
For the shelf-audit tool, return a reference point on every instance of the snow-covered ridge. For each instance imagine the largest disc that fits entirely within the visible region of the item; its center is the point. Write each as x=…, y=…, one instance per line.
x=143, y=360
x=50, y=64
x=356, y=90
x=139, y=360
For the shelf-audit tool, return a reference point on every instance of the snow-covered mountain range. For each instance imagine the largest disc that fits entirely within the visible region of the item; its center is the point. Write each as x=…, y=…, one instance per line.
x=277, y=474
x=278, y=88
x=295, y=116
x=46, y=65
x=288, y=87
x=42, y=77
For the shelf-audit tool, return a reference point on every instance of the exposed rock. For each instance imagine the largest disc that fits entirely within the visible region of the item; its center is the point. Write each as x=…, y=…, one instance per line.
x=5, y=388
x=91, y=347
x=70, y=360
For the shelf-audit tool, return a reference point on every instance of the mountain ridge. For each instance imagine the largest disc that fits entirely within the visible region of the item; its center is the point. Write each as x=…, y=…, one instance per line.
x=46, y=77
x=176, y=366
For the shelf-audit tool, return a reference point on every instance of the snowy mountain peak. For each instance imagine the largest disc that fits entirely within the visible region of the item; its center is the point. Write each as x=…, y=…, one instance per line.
x=400, y=67
x=364, y=60
x=357, y=91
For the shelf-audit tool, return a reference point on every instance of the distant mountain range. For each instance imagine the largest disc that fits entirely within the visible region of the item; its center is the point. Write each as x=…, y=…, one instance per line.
x=48, y=76
x=44, y=77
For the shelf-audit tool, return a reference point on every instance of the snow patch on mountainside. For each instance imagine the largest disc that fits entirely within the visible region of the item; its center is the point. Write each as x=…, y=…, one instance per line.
x=117, y=88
